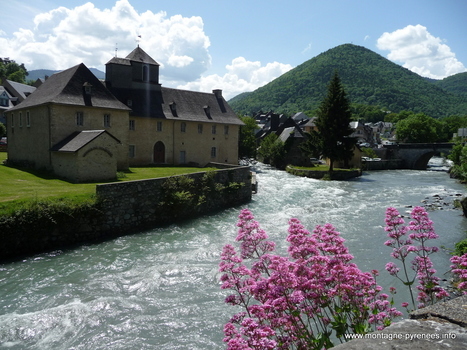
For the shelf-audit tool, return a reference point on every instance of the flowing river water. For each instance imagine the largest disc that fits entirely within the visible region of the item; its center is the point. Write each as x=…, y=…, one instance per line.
x=159, y=289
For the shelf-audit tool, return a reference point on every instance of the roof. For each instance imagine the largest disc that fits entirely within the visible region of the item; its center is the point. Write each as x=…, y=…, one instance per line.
x=137, y=55
x=67, y=87
x=19, y=90
x=175, y=104
x=78, y=140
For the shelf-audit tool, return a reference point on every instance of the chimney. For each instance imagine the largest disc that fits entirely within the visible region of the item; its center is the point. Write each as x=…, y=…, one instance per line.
x=217, y=92
x=220, y=99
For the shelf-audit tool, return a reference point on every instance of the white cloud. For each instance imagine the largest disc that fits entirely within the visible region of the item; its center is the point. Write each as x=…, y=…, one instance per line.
x=420, y=52
x=241, y=76
x=65, y=37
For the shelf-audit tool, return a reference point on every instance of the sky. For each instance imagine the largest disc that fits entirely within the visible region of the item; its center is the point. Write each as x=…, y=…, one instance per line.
x=236, y=46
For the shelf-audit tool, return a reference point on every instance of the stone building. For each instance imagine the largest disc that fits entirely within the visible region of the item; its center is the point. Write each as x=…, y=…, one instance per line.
x=171, y=126
x=85, y=130
x=45, y=129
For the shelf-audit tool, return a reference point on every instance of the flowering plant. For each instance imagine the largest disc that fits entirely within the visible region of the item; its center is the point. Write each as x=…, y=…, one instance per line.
x=301, y=301
x=421, y=230
x=459, y=269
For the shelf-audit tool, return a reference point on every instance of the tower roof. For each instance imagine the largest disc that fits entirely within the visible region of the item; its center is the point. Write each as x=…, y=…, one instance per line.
x=137, y=55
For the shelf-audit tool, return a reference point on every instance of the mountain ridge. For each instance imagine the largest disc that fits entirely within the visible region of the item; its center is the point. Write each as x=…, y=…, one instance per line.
x=367, y=77
x=42, y=73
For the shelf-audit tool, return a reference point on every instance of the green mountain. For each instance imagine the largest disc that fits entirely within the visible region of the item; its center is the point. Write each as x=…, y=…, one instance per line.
x=456, y=83
x=368, y=78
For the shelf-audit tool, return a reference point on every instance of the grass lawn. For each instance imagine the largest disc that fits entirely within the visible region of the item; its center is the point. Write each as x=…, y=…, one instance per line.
x=19, y=186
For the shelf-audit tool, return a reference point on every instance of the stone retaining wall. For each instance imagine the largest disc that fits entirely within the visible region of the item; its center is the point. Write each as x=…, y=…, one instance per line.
x=136, y=204
x=125, y=207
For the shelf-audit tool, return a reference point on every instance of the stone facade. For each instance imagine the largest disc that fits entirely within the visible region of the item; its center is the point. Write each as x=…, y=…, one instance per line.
x=191, y=143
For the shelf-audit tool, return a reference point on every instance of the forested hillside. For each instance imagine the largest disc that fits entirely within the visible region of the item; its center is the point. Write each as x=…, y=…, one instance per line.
x=455, y=83
x=368, y=78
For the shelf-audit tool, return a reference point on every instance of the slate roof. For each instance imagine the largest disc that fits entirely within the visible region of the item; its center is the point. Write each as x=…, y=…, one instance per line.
x=137, y=55
x=67, y=87
x=78, y=140
x=186, y=105
x=19, y=90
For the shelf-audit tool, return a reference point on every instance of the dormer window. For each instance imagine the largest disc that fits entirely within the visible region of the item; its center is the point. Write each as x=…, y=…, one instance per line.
x=173, y=108
x=87, y=88
x=207, y=110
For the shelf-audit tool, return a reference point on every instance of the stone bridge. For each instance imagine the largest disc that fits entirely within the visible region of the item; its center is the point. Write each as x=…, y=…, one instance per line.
x=415, y=155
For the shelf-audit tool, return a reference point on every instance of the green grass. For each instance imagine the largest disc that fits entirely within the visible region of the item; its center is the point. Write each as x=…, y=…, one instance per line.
x=19, y=187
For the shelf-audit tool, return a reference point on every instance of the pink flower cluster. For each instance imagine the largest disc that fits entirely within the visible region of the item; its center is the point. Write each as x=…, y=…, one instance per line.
x=302, y=300
x=421, y=230
x=459, y=269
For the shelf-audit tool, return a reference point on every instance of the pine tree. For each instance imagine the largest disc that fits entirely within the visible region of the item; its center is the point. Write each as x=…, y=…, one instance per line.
x=333, y=125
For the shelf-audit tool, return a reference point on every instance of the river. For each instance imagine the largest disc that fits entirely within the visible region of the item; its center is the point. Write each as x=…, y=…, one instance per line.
x=159, y=289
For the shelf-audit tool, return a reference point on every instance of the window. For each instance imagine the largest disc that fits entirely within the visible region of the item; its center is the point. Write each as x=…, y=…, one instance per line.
x=226, y=129
x=4, y=100
x=200, y=128
x=213, y=129
x=79, y=119
x=213, y=152
x=28, y=119
x=20, y=119
x=129, y=103
x=12, y=120
x=183, y=127
x=132, y=124
x=159, y=126
x=131, y=151
x=106, y=120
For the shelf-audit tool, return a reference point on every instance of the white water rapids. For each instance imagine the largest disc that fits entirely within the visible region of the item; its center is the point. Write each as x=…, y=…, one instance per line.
x=159, y=289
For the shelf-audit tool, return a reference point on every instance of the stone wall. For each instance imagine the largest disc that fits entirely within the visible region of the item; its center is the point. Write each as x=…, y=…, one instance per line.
x=138, y=204
x=123, y=208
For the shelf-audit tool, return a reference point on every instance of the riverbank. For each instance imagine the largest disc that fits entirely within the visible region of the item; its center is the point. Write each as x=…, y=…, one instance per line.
x=436, y=327
x=337, y=174
x=122, y=208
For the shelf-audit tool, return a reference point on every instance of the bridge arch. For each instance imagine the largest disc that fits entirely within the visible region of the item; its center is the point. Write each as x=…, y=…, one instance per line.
x=421, y=163
x=417, y=155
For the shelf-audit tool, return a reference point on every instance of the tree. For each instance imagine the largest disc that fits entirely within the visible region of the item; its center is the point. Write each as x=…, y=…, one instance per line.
x=13, y=71
x=420, y=128
x=272, y=150
x=453, y=123
x=331, y=139
x=247, y=141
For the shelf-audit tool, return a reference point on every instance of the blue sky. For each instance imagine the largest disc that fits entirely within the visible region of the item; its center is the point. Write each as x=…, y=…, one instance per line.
x=238, y=45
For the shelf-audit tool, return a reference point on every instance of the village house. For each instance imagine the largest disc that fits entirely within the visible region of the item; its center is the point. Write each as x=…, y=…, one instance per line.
x=84, y=130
